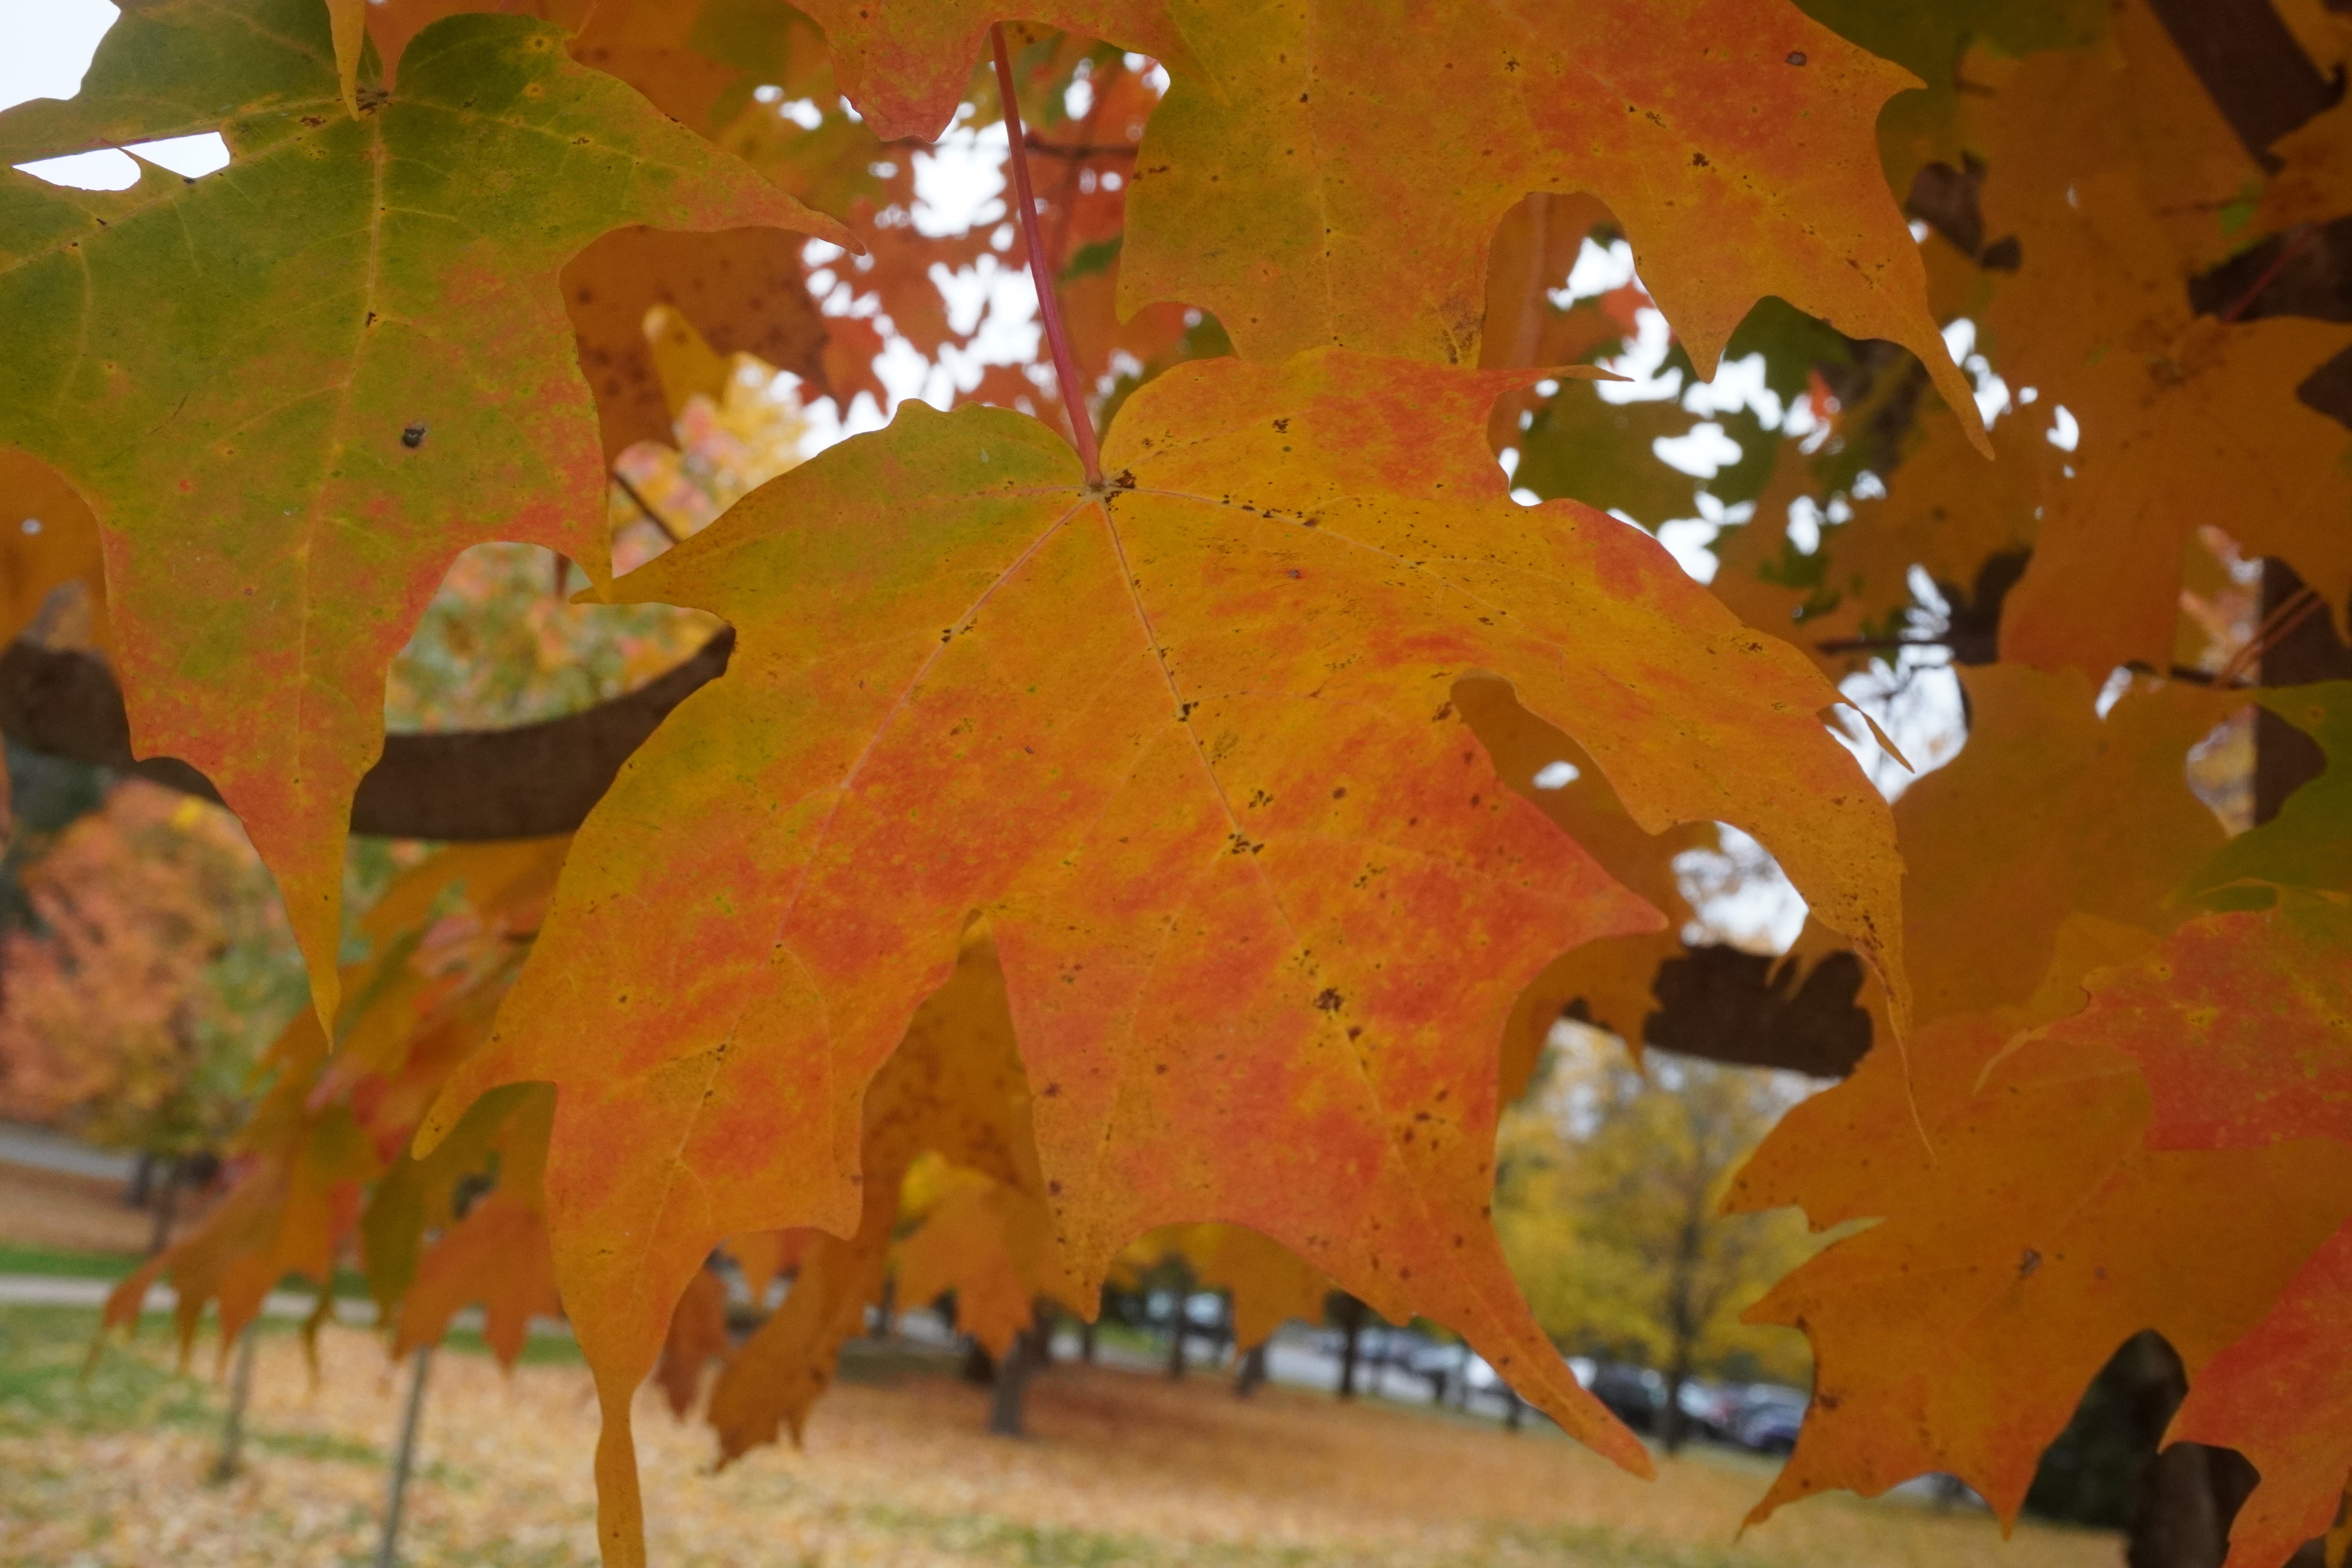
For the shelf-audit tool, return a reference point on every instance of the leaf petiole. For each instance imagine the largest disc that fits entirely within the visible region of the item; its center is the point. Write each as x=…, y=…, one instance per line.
x=1049, y=308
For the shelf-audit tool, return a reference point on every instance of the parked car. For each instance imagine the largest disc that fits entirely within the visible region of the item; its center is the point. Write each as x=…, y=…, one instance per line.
x=1709, y=1409
x=1480, y=1378
x=1634, y=1394
x=1443, y=1365
x=1768, y=1417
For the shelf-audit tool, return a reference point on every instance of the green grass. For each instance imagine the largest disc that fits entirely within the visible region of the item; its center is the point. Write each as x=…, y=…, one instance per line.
x=43, y=1350
x=538, y=1350
x=884, y=1362
x=57, y=1264
x=15, y=1260
x=1020, y=1545
x=1016, y=1544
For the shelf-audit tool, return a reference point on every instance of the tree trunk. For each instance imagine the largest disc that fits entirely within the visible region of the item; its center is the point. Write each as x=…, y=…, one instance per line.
x=1087, y=1341
x=886, y=1310
x=979, y=1366
x=1514, y=1409
x=167, y=1208
x=1351, y=1324
x=1022, y=1362
x=2285, y=758
x=1675, y=1424
x=404, y=1461
x=1682, y=1313
x=240, y=1388
x=1176, y=1337
x=1251, y=1372
x=2188, y=1493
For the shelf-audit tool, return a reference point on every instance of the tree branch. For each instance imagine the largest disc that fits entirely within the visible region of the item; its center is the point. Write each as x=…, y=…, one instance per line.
x=1077, y=150
x=527, y=782
x=2251, y=67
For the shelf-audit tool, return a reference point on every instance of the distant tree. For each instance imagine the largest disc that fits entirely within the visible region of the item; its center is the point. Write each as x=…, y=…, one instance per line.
x=1607, y=1205
x=156, y=965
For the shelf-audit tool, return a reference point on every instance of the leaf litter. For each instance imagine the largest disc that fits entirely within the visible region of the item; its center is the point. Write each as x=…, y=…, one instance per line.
x=1121, y=1469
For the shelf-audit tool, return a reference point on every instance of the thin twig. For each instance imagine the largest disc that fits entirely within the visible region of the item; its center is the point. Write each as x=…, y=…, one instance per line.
x=2287, y=253
x=2291, y=612
x=1863, y=645
x=672, y=534
x=1049, y=308
x=1080, y=149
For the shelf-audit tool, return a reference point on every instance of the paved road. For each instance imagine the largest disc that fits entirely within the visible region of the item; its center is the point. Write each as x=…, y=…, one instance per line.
x=46, y=1151
x=351, y=1311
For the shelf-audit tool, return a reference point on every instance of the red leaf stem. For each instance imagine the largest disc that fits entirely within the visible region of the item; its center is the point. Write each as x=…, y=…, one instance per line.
x=1049, y=308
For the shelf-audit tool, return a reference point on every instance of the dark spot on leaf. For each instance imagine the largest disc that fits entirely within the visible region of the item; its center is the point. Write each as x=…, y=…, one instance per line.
x=2028, y=1263
x=1796, y=56
x=413, y=437
x=1330, y=1001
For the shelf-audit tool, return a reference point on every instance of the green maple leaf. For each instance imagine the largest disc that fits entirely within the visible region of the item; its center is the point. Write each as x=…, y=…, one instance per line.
x=294, y=389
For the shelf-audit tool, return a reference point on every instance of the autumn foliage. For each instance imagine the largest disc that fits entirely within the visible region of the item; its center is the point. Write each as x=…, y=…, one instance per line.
x=1186, y=844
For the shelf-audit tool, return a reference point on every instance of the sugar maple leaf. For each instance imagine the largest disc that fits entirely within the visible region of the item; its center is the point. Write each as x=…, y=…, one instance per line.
x=953, y=1087
x=988, y=1243
x=740, y=288
x=1607, y=981
x=2183, y=419
x=762, y=1254
x=2051, y=809
x=295, y=1199
x=1945, y=511
x=2309, y=843
x=696, y=1337
x=2315, y=168
x=1957, y=1334
x=287, y=428
x=1207, y=713
x=498, y=1256
x=2242, y=1025
x=1340, y=178
x=907, y=63
x=321, y=1158
x=1269, y=1284
x=649, y=44
x=2051, y=1201
x=48, y=540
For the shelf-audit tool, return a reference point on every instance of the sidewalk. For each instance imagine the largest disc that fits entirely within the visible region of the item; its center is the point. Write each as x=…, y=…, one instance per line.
x=351, y=1311
x=46, y=1150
